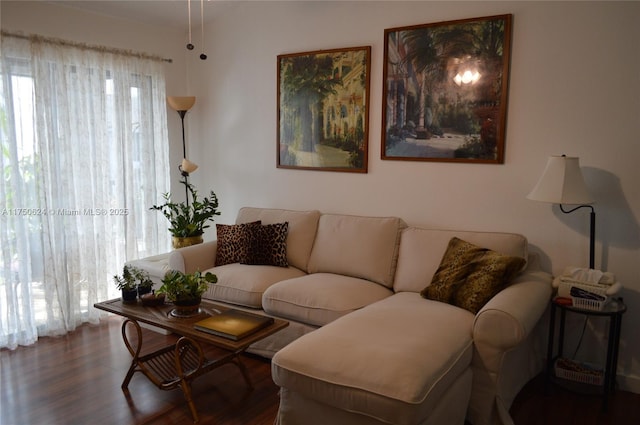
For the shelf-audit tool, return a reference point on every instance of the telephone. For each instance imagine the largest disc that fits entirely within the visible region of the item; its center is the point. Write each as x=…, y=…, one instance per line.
x=602, y=284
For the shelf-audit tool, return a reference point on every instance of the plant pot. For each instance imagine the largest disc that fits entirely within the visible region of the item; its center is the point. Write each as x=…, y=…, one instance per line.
x=152, y=300
x=179, y=242
x=186, y=308
x=129, y=296
x=143, y=290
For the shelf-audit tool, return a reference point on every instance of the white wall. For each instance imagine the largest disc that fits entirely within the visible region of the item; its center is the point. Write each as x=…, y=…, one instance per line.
x=574, y=89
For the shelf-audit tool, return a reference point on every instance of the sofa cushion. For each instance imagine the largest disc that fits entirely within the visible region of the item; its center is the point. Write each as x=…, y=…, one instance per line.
x=301, y=230
x=387, y=360
x=244, y=285
x=469, y=276
x=268, y=245
x=320, y=298
x=422, y=249
x=364, y=247
x=233, y=242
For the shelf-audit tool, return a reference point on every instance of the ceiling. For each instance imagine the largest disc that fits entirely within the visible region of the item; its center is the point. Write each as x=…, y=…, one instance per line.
x=170, y=13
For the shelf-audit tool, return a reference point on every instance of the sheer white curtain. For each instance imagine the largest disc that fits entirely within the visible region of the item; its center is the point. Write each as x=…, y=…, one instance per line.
x=84, y=155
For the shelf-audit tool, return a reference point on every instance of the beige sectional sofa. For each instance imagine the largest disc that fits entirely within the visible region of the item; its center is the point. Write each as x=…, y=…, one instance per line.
x=363, y=346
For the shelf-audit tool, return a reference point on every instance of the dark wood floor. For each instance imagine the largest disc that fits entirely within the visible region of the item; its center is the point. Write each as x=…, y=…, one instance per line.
x=76, y=379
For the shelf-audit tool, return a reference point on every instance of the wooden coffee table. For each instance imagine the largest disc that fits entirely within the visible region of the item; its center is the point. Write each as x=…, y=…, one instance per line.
x=178, y=364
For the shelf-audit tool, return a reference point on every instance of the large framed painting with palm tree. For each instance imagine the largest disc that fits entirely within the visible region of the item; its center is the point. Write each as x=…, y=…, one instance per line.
x=323, y=109
x=445, y=91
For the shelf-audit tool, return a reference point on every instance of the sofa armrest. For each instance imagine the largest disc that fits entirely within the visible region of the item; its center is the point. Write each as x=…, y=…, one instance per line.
x=509, y=317
x=193, y=258
x=507, y=338
x=157, y=266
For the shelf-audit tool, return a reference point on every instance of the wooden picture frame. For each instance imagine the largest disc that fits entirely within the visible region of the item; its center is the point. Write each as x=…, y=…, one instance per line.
x=445, y=91
x=323, y=110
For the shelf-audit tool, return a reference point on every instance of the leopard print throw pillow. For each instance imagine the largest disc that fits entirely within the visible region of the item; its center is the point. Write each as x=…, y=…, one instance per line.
x=469, y=276
x=233, y=242
x=269, y=245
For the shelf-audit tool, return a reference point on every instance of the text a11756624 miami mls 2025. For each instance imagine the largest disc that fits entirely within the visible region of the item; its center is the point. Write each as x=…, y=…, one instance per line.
x=64, y=211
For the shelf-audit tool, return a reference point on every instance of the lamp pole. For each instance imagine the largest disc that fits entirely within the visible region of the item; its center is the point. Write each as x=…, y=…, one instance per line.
x=592, y=231
x=181, y=104
x=184, y=155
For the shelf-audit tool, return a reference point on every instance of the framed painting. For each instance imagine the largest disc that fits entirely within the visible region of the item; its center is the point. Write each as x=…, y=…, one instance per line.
x=323, y=108
x=445, y=91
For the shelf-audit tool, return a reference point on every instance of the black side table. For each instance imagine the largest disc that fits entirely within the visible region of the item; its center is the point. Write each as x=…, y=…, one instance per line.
x=614, y=310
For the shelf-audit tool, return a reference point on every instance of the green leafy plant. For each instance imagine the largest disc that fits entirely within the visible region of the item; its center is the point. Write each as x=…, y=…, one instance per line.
x=189, y=219
x=178, y=286
x=144, y=281
x=132, y=278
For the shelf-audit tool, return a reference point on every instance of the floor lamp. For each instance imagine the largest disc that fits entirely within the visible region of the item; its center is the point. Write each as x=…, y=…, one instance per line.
x=562, y=183
x=182, y=104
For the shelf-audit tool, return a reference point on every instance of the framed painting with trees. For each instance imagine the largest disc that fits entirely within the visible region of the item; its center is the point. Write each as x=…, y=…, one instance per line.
x=445, y=91
x=323, y=108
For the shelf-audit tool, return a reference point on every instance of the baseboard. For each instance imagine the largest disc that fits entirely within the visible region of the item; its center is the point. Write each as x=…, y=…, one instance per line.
x=629, y=383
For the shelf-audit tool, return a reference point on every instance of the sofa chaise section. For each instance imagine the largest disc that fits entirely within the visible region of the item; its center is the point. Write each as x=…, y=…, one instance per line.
x=392, y=362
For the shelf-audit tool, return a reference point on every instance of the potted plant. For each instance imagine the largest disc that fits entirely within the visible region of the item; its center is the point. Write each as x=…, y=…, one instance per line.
x=185, y=290
x=188, y=220
x=144, y=282
x=128, y=283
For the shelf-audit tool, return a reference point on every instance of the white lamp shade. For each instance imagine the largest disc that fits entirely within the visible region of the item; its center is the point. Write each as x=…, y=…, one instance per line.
x=561, y=183
x=181, y=103
x=188, y=166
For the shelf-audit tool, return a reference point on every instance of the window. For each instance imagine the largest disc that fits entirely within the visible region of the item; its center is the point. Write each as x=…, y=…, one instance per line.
x=84, y=155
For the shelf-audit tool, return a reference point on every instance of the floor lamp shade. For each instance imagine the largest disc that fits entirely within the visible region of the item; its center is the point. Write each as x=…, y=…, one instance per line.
x=561, y=183
x=181, y=103
x=188, y=166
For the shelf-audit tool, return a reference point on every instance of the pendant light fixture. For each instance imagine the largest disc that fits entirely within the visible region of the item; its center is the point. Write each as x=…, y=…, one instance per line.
x=190, y=45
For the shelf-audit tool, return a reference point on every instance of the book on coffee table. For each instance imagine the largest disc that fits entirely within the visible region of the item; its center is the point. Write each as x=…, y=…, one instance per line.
x=233, y=324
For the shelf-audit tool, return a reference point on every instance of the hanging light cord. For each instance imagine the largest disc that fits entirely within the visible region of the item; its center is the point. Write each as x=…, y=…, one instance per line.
x=190, y=44
x=202, y=55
